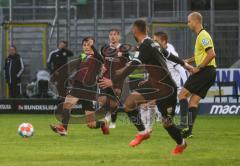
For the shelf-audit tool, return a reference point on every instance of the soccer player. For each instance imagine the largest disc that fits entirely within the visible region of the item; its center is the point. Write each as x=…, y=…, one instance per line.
x=84, y=87
x=148, y=110
x=177, y=71
x=115, y=56
x=203, y=76
x=159, y=86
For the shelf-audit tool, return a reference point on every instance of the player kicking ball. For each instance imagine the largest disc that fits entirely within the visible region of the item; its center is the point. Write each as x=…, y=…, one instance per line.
x=84, y=87
x=159, y=86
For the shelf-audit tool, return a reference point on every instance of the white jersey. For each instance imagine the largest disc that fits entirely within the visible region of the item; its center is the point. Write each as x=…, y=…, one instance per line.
x=176, y=70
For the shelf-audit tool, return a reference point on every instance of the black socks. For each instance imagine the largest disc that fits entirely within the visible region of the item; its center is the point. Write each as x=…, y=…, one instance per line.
x=193, y=111
x=135, y=118
x=175, y=133
x=66, y=117
x=114, y=116
x=100, y=124
x=183, y=112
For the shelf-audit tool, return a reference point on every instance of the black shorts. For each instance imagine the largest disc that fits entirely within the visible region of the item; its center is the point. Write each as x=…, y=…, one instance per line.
x=156, y=90
x=85, y=94
x=167, y=106
x=165, y=95
x=107, y=92
x=201, y=82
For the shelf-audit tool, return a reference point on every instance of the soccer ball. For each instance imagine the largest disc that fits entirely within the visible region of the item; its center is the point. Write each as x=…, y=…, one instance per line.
x=26, y=130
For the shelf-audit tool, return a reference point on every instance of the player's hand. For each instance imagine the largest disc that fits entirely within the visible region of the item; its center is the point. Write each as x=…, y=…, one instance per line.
x=105, y=83
x=195, y=70
x=188, y=67
x=186, y=60
x=134, y=48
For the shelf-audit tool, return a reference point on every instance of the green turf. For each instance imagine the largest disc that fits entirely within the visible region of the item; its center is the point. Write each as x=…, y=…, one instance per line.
x=216, y=142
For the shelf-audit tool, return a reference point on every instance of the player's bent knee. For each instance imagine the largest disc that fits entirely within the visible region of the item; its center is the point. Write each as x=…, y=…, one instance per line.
x=129, y=106
x=181, y=96
x=184, y=93
x=167, y=122
x=67, y=105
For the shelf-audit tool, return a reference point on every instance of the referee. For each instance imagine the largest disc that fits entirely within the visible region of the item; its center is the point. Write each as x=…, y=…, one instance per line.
x=202, y=78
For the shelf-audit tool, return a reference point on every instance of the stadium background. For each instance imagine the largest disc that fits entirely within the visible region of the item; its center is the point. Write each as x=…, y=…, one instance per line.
x=36, y=27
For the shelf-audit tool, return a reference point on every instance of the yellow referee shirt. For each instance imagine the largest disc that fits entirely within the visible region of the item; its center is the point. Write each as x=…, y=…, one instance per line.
x=203, y=43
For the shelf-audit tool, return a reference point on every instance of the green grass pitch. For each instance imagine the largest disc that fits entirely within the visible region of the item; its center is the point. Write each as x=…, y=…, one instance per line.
x=216, y=142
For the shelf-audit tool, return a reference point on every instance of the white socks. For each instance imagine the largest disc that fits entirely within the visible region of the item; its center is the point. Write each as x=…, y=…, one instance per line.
x=148, y=115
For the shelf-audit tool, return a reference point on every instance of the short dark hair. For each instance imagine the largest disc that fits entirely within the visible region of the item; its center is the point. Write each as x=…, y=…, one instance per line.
x=115, y=30
x=85, y=39
x=65, y=42
x=141, y=25
x=162, y=35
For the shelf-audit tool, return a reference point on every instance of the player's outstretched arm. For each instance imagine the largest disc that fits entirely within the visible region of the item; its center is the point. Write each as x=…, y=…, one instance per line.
x=97, y=54
x=176, y=59
x=125, y=71
x=189, y=60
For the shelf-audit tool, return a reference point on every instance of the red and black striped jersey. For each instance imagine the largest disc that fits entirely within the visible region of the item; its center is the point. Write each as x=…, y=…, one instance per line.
x=114, y=58
x=89, y=69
